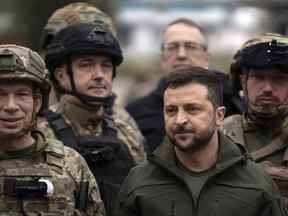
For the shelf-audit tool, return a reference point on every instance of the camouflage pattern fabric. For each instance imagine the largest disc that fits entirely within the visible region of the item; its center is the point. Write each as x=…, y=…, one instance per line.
x=22, y=63
x=267, y=37
x=83, y=123
x=75, y=13
x=130, y=133
x=62, y=166
x=244, y=132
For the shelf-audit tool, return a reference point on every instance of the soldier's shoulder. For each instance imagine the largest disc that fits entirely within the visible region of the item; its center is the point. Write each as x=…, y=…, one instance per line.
x=130, y=134
x=232, y=128
x=123, y=119
x=230, y=123
x=56, y=107
x=257, y=176
x=126, y=124
x=57, y=147
x=120, y=112
x=44, y=126
x=73, y=162
x=233, y=119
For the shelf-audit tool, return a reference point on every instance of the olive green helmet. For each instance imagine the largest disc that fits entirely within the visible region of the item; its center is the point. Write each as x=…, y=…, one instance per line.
x=74, y=13
x=266, y=50
x=21, y=63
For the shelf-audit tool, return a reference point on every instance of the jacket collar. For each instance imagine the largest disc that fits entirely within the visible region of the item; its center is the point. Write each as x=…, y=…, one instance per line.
x=229, y=154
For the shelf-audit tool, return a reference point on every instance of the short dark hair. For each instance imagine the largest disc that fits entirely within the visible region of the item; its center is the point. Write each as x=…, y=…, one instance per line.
x=191, y=74
x=190, y=23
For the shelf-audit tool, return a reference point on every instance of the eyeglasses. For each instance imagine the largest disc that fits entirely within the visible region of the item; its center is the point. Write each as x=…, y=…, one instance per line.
x=191, y=48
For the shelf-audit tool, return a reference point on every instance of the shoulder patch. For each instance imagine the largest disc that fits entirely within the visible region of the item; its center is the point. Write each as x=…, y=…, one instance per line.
x=55, y=155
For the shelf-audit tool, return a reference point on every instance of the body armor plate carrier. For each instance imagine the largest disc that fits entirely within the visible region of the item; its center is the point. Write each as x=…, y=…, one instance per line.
x=108, y=157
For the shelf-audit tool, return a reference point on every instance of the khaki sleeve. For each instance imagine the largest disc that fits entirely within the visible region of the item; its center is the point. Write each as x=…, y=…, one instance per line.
x=95, y=205
x=80, y=172
x=130, y=134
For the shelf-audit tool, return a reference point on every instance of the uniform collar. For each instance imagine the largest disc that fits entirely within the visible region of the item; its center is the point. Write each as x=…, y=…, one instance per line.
x=79, y=114
x=38, y=146
x=229, y=154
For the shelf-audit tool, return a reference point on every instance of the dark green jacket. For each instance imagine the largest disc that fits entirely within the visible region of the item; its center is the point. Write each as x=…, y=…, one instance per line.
x=236, y=187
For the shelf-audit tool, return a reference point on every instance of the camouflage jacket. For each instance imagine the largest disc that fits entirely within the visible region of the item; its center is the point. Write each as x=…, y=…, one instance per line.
x=50, y=161
x=266, y=146
x=83, y=123
x=241, y=131
x=130, y=131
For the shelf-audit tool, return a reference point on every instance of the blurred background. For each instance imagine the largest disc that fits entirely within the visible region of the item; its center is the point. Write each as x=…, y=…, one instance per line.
x=140, y=23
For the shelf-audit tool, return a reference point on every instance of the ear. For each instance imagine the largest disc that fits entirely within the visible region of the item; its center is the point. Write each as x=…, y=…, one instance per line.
x=38, y=102
x=220, y=114
x=243, y=79
x=208, y=58
x=61, y=75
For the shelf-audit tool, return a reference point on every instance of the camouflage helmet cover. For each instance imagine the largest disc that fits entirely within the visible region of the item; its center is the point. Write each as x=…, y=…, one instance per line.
x=266, y=50
x=74, y=13
x=17, y=62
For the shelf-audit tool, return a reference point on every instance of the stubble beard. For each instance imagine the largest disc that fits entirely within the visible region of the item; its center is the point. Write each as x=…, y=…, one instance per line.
x=198, y=142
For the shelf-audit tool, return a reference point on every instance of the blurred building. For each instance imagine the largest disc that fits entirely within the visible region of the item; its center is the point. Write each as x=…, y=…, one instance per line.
x=228, y=24
x=141, y=22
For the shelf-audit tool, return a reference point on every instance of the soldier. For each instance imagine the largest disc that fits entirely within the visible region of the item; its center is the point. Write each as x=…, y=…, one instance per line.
x=197, y=170
x=183, y=43
x=82, y=12
x=260, y=69
x=82, y=60
x=38, y=176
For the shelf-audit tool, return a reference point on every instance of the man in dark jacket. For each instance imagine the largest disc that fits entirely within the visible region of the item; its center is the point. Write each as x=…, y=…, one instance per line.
x=184, y=43
x=197, y=170
x=260, y=69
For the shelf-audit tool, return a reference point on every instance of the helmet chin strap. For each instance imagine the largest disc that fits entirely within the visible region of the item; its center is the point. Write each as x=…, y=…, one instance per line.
x=90, y=101
x=279, y=111
x=267, y=120
x=264, y=119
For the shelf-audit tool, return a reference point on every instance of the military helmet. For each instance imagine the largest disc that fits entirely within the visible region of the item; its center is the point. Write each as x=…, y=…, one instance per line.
x=267, y=50
x=74, y=13
x=17, y=62
x=82, y=39
x=21, y=63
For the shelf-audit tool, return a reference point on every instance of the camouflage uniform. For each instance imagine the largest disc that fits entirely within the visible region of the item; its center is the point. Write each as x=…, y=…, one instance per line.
x=81, y=12
x=107, y=142
x=265, y=135
x=44, y=178
x=82, y=123
x=52, y=161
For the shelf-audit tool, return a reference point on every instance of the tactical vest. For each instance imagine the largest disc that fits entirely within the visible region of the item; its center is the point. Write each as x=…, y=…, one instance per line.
x=37, y=185
x=233, y=129
x=108, y=157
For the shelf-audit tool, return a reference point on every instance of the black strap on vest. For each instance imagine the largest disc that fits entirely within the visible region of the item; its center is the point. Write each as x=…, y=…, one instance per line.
x=63, y=131
x=108, y=157
x=277, y=144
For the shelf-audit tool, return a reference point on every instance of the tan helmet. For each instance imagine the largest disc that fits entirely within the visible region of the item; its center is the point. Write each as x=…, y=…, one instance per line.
x=263, y=51
x=21, y=63
x=74, y=13
x=266, y=50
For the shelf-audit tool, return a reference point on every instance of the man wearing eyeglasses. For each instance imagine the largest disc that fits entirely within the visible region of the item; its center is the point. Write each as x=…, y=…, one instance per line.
x=183, y=44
